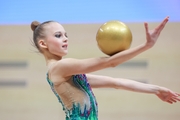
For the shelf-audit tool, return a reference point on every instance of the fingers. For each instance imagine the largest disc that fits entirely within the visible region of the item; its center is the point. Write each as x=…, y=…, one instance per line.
x=177, y=94
x=146, y=27
x=163, y=23
x=171, y=101
x=175, y=98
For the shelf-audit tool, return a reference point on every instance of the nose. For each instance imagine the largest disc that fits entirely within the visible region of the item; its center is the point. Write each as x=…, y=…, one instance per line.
x=65, y=39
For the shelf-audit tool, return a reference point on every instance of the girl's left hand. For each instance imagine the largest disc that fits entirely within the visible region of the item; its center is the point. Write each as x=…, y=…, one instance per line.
x=152, y=35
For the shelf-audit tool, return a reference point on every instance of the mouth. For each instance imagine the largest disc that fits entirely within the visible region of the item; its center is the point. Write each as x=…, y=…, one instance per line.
x=65, y=46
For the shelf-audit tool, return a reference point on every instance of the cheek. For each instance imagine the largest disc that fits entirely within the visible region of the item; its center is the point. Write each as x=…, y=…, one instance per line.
x=54, y=46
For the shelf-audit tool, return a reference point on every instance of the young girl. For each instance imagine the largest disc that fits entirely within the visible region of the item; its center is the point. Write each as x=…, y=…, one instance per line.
x=68, y=77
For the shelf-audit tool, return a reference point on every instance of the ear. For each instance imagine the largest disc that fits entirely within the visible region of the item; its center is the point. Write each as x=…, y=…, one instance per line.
x=42, y=44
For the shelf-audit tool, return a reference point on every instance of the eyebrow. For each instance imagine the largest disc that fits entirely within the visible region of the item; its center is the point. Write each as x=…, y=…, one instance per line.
x=60, y=32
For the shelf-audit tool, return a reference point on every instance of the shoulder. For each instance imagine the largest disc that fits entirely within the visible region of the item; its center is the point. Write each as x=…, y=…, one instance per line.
x=57, y=71
x=61, y=65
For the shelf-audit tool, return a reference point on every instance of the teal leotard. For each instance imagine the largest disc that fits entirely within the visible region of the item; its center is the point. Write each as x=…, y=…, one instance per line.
x=79, y=111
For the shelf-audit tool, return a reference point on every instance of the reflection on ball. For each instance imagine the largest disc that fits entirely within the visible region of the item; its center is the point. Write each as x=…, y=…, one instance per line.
x=113, y=37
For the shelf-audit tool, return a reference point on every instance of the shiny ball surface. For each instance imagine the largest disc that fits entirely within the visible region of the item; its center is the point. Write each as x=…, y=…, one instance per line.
x=113, y=37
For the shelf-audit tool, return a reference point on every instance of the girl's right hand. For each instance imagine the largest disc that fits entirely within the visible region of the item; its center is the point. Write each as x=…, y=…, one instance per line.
x=167, y=95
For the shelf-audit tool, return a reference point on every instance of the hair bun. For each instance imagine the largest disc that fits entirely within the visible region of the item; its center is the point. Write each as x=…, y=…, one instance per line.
x=34, y=25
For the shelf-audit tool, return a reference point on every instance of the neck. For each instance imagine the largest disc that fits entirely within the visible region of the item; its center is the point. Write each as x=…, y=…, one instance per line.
x=50, y=58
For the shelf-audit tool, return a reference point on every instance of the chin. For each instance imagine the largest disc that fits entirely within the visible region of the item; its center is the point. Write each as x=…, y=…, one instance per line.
x=64, y=54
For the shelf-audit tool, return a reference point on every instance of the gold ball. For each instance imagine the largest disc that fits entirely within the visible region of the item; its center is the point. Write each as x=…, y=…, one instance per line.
x=113, y=37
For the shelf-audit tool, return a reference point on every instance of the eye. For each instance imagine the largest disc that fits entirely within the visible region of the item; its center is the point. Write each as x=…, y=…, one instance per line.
x=58, y=35
x=66, y=35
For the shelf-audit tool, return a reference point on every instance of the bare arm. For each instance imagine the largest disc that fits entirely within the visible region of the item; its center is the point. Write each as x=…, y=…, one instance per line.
x=68, y=67
x=163, y=93
x=151, y=38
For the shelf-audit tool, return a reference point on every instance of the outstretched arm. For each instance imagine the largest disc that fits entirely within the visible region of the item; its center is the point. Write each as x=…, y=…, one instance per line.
x=163, y=93
x=68, y=67
x=151, y=38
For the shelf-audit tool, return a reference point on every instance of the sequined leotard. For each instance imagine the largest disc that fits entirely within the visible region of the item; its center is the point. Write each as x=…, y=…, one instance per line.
x=77, y=99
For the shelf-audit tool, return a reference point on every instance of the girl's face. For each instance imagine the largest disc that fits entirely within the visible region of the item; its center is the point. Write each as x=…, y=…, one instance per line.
x=56, y=39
